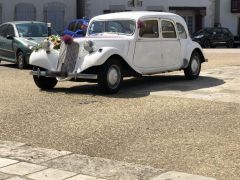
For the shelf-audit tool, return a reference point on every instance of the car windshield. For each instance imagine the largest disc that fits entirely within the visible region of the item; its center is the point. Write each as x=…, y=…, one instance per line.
x=33, y=30
x=112, y=26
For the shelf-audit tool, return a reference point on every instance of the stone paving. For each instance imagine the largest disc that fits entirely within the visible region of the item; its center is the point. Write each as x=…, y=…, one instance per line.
x=19, y=161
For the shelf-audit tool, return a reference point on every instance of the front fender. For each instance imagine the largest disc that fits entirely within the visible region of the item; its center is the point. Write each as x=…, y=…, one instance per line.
x=45, y=60
x=97, y=58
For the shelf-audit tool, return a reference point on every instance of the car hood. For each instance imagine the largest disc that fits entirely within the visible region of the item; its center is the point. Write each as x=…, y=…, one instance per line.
x=32, y=41
x=121, y=43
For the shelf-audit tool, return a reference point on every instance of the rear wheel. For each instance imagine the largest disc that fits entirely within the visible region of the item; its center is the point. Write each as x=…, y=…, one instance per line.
x=194, y=67
x=110, y=77
x=21, y=60
x=230, y=44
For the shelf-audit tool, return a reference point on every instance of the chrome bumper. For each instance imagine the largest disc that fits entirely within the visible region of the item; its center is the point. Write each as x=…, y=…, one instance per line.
x=61, y=74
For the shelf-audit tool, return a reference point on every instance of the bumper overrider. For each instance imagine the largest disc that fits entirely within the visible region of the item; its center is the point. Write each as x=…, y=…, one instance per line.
x=48, y=73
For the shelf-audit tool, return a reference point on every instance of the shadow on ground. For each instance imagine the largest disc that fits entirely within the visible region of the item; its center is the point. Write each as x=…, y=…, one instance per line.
x=140, y=87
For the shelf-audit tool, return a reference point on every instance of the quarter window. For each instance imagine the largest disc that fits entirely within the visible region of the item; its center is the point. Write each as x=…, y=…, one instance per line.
x=181, y=31
x=168, y=30
x=150, y=29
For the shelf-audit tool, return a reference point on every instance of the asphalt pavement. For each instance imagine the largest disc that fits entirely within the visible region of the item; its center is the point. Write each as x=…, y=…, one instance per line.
x=162, y=121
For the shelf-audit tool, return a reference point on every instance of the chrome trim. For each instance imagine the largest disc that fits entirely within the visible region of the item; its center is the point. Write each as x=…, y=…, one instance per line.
x=60, y=74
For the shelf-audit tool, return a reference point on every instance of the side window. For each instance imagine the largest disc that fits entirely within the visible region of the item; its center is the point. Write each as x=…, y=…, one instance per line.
x=10, y=30
x=3, y=30
x=168, y=29
x=181, y=31
x=150, y=29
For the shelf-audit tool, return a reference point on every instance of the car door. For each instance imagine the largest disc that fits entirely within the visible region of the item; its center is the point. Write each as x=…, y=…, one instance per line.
x=3, y=29
x=218, y=36
x=147, y=55
x=8, y=40
x=170, y=46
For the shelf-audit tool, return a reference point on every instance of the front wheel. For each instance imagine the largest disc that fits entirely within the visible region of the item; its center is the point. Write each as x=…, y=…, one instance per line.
x=194, y=67
x=45, y=83
x=21, y=60
x=110, y=77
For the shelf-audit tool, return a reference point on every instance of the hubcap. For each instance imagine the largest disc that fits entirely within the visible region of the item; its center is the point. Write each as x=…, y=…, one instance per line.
x=195, y=66
x=114, y=76
x=20, y=60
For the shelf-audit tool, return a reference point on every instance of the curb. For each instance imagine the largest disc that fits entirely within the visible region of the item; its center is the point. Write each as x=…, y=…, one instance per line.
x=19, y=161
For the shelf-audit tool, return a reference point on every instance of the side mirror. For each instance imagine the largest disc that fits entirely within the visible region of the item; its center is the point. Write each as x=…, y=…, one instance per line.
x=10, y=37
x=214, y=33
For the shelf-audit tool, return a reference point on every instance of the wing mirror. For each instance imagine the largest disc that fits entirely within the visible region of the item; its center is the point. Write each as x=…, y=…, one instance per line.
x=214, y=33
x=10, y=37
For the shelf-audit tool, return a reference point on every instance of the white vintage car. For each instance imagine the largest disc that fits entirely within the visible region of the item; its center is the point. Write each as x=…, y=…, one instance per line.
x=119, y=45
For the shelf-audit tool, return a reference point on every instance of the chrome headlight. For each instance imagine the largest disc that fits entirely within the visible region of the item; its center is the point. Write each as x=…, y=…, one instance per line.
x=88, y=46
x=46, y=45
x=198, y=37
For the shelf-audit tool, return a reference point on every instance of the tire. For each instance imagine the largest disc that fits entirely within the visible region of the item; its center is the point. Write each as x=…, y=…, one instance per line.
x=44, y=83
x=21, y=64
x=110, y=77
x=230, y=44
x=193, y=70
x=206, y=43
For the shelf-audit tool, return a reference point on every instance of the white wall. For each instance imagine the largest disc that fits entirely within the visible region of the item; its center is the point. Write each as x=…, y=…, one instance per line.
x=228, y=19
x=96, y=7
x=8, y=7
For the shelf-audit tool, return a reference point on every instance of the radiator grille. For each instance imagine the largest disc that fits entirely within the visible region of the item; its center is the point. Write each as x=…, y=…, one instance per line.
x=68, y=57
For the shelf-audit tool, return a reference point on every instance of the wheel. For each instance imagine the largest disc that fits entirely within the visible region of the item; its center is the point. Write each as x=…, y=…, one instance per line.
x=44, y=83
x=110, y=77
x=230, y=44
x=194, y=67
x=21, y=60
x=206, y=43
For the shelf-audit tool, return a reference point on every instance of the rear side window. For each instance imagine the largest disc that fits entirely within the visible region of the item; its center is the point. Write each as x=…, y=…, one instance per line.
x=3, y=30
x=168, y=29
x=10, y=30
x=150, y=29
x=181, y=31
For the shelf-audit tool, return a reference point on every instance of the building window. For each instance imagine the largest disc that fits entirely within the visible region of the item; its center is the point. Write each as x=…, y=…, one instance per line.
x=25, y=12
x=54, y=13
x=235, y=6
x=190, y=23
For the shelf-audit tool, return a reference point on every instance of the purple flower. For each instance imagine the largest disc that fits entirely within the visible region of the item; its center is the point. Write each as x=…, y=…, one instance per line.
x=67, y=39
x=140, y=24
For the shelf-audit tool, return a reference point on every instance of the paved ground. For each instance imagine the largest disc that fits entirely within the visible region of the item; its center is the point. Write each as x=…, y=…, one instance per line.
x=19, y=161
x=163, y=121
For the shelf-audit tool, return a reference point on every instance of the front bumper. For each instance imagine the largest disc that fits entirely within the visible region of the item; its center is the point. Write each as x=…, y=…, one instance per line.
x=39, y=73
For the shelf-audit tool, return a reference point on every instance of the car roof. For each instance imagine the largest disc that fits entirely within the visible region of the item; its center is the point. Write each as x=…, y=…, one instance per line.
x=137, y=15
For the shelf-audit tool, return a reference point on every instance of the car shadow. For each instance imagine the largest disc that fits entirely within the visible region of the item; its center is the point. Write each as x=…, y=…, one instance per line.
x=140, y=87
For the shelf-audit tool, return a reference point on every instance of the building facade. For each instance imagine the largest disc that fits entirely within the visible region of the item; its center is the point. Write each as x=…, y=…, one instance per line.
x=228, y=14
x=58, y=12
x=197, y=13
